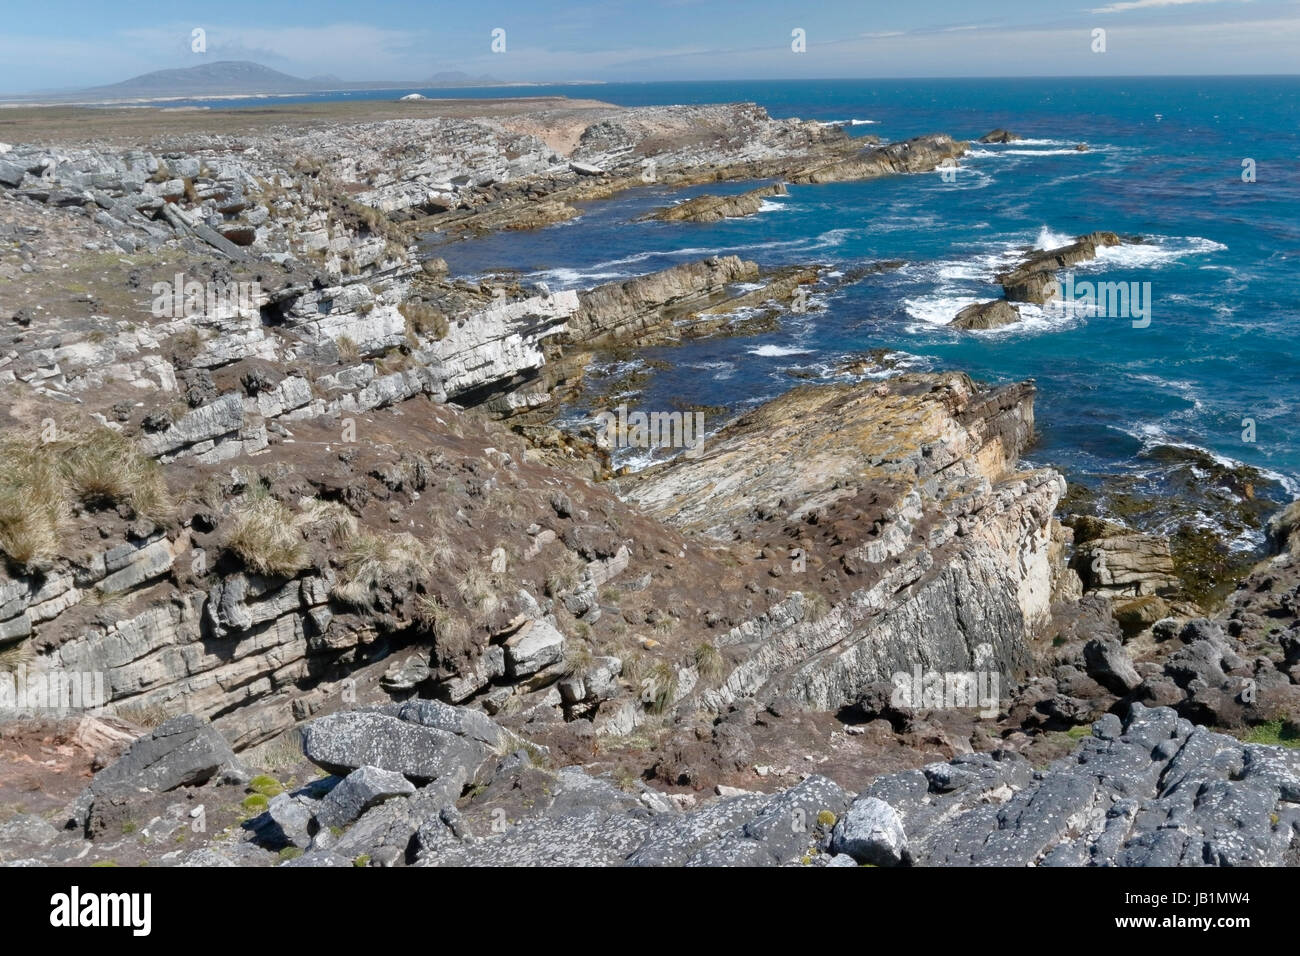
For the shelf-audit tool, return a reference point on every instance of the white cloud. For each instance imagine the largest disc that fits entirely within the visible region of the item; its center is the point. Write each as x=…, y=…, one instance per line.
x=1126, y=5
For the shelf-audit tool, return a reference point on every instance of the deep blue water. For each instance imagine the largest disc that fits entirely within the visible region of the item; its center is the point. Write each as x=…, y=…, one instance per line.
x=1165, y=162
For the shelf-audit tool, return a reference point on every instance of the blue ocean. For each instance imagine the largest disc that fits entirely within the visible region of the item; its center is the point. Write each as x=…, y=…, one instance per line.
x=1214, y=370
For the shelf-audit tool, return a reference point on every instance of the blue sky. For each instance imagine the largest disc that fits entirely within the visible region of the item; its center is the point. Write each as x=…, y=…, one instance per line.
x=69, y=44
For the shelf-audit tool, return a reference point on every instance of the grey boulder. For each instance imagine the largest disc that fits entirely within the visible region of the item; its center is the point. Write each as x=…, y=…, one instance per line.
x=872, y=832
x=347, y=741
x=183, y=751
x=358, y=792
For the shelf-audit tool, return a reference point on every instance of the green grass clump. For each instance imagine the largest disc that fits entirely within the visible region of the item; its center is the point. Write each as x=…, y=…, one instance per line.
x=255, y=803
x=1275, y=733
x=265, y=785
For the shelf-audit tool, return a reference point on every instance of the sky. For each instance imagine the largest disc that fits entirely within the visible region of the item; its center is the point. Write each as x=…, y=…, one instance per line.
x=61, y=44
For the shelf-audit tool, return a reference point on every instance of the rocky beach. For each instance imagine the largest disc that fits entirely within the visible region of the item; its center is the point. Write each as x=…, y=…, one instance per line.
x=305, y=520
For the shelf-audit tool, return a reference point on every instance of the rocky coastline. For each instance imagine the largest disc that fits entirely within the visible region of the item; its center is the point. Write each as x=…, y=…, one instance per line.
x=295, y=497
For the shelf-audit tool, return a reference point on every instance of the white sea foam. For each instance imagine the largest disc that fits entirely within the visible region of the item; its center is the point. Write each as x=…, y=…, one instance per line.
x=1047, y=239
x=1156, y=251
x=938, y=309
x=564, y=278
x=777, y=351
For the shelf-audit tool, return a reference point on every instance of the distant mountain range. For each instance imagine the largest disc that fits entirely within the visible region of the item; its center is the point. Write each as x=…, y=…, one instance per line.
x=232, y=77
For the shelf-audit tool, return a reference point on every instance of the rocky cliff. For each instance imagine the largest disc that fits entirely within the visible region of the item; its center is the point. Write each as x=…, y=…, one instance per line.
x=903, y=502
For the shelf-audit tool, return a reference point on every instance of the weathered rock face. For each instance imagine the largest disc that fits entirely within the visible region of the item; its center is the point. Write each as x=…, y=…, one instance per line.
x=640, y=307
x=183, y=751
x=497, y=346
x=1128, y=564
x=708, y=208
x=1284, y=529
x=1109, y=803
x=348, y=741
x=917, y=155
x=944, y=546
x=986, y=315
x=998, y=135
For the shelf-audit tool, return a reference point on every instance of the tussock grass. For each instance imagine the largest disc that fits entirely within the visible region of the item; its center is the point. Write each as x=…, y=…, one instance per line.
x=817, y=606
x=424, y=320
x=338, y=524
x=478, y=590
x=33, y=503
x=660, y=687
x=267, y=536
x=41, y=481
x=577, y=660
x=709, y=662
x=104, y=469
x=349, y=351
x=371, y=558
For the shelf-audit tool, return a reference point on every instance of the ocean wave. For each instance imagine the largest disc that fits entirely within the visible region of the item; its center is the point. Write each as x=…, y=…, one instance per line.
x=1156, y=251
x=848, y=122
x=565, y=278
x=938, y=309
x=777, y=351
x=1047, y=239
x=1035, y=152
x=1153, y=435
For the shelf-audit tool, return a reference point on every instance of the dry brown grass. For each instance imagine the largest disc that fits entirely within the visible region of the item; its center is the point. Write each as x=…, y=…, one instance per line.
x=424, y=320
x=478, y=590
x=267, y=536
x=41, y=481
x=369, y=559
x=349, y=351
x=451, y=632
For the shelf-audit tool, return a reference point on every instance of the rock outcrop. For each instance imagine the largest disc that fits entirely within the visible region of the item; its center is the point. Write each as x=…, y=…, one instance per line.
x=709, y=208
x=1034, y=280
x=998, y=135
x=986, y=315
x=918, y=155
x=642, y=308
x=941, y=545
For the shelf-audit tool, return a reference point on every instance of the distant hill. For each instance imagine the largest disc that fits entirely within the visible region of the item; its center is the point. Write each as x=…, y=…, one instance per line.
x=227, y=77
x=210, y=79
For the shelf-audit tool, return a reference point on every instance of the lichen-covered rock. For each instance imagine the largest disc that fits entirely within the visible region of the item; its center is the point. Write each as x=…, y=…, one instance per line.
x=349, y=740
x=356, y=793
